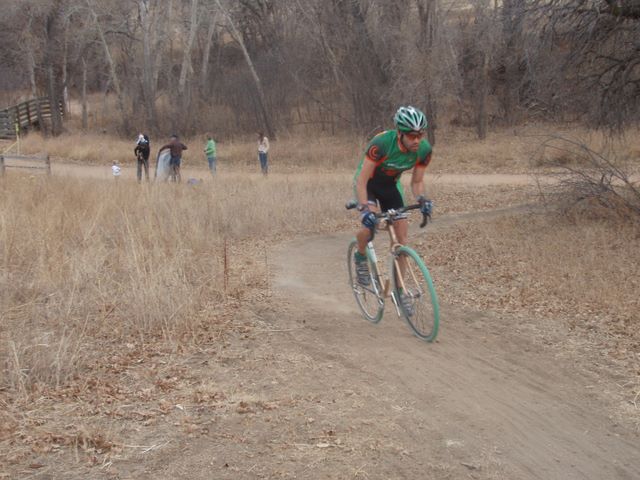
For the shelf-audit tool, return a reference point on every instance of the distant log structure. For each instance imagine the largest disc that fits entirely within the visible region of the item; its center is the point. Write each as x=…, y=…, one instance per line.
x=35, y=113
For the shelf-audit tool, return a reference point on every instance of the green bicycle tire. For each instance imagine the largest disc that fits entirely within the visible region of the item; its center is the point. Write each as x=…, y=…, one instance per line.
x=371, y=314
x=429, y=333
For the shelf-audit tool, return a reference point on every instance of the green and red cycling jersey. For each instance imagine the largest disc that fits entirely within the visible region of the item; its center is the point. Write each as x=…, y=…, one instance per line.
x=391, y=158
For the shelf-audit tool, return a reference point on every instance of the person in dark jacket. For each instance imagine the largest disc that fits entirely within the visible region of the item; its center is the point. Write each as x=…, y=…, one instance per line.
x=176, y=147
x=142, y=151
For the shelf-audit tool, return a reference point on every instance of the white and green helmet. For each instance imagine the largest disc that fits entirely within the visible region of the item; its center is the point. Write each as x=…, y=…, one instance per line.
x=410, y=119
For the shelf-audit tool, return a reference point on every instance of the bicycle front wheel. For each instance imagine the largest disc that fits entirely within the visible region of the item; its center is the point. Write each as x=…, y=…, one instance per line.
x=415, y=294
x=370, y=298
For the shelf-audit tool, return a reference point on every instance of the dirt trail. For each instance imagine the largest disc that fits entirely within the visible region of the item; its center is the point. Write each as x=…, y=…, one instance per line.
x=317, y=392
x=483, y=398
x=60, y=168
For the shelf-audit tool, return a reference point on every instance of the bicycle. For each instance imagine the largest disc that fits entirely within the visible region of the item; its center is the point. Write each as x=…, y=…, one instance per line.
x=410, y=285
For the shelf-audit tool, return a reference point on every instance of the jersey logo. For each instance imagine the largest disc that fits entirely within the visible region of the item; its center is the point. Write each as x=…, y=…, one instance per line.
x=374, y=152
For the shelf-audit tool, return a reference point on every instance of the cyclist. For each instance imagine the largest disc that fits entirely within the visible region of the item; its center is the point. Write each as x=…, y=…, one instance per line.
x=377, y=179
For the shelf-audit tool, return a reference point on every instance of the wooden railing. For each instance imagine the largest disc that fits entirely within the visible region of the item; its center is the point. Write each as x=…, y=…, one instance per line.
x=31, y=162
x=25, y=116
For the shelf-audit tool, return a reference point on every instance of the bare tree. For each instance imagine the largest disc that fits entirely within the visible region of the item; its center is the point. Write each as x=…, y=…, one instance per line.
x=427, y=11
x=331, y=63
x=186, y=51
x=598, y=43
x=148, y=77
x=512, y=19
x=111, y=63
x=51, y=27
x=211, y=18
x=262, y=104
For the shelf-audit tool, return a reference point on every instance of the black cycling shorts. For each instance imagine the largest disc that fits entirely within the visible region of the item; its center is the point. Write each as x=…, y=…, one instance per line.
x=386, y=194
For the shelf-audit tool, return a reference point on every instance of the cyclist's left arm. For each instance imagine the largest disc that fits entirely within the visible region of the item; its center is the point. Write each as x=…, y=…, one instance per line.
x=417, y=181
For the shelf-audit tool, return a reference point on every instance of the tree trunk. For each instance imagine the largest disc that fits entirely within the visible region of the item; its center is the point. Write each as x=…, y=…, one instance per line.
x=163, y=35
x=261, y=98
x=85, y=122
x=204, y=72
x=148, y=85
x=511, y=30
x=427, y=11
x=56, y=120
x=184, y=96
x=65, y=53
x=481, y=107
x=54, y=101
x=112, y=68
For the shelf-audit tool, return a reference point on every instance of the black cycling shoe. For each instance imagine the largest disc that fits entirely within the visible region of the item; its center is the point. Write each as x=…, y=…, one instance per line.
x=407, y=303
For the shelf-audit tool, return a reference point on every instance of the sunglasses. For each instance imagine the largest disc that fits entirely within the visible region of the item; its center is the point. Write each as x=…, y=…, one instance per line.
x=414, y=135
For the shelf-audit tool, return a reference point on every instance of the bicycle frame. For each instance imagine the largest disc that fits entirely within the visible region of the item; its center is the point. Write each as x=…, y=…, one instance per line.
x=407, y=281
x=394, y=244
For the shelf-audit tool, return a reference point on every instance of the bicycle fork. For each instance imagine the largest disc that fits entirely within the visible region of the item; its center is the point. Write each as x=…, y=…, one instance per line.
x=393, y=264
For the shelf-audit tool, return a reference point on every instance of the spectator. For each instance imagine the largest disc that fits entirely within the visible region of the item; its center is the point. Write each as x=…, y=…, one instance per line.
x=142, y=151
x=176, y=147
x=263, y=150
x=115, y=170
x=210, y=152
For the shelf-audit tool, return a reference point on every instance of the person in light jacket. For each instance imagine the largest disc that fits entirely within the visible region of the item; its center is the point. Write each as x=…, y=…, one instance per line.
x=263, y=150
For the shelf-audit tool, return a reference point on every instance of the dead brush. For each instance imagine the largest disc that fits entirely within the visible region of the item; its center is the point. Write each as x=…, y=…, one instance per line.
x=589, y=182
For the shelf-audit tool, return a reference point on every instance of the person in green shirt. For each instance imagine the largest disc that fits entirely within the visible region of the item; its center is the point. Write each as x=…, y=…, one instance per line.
x=377, y=179
x=210, y=152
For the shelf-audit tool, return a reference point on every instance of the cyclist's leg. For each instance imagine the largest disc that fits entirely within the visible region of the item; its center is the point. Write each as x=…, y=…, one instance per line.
x=172, y=168
x=364, y=234
x=394, y=199
x=402, y=230
x=397, y=200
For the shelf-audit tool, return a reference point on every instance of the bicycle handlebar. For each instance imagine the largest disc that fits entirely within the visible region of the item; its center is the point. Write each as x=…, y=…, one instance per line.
x=390, y=214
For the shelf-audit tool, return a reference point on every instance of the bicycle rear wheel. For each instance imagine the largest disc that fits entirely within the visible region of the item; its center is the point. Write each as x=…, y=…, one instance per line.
x=415, y=294
x=369, y=298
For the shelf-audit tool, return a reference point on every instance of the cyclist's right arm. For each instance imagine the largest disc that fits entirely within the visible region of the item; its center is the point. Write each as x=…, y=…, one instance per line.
x=366, y=173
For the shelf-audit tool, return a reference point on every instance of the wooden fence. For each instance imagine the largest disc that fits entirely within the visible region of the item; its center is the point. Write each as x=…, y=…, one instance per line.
x=25, y=116
x=34, y=162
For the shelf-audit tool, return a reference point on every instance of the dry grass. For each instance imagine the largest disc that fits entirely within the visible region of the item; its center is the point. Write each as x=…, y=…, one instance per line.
x=83, y=263
x=516, y=149
x=88, y=260
x=287, y=154
x=457, y=150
